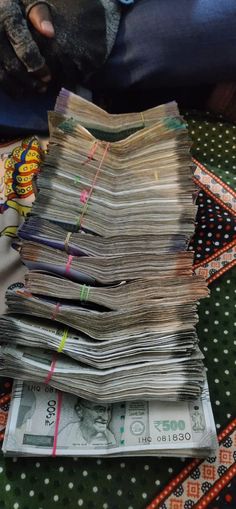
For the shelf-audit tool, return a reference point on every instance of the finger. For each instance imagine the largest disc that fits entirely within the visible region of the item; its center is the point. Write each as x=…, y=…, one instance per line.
x=21, y=40
x=14, y=67
x=13, y=72
x=40, y=18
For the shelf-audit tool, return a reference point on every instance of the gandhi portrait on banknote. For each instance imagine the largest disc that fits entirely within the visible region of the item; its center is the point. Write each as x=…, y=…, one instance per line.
x=91, y=426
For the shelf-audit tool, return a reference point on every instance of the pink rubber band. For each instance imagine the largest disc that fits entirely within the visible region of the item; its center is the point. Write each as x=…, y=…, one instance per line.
x=52, y=369
x=69, y=262
x=93, y=183
x=54, y=314
x=84, y=196
x=58, y=416
x=91, y=153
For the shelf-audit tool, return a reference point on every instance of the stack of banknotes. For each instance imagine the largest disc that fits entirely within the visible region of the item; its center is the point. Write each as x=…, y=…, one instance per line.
x=109, y=305
x=135, y=428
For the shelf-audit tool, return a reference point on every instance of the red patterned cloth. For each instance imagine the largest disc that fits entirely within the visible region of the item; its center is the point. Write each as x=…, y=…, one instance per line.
x=200, y=482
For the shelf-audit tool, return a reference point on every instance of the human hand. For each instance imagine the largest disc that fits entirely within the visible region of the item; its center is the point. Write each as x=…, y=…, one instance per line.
x=21, y=63
x=74, y=46
x=79, y=46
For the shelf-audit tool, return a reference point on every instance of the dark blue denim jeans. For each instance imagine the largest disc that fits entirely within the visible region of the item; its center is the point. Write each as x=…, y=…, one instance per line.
x=160, y=43
x=172, y=43
x=25, y=115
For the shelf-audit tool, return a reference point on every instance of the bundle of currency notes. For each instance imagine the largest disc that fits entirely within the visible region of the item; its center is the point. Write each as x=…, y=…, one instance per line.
x=109, y=306
x=105, y=125
x=45, y=422
x=40, y=333
x=139, y=189
x=127, y=382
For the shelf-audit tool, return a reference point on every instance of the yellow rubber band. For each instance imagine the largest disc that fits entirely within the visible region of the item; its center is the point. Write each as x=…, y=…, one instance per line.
x=142, y=117
x=63, y=341
x=67, y=240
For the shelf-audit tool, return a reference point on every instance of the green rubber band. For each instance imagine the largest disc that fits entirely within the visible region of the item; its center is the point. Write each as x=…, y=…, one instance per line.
x=84, y=293
x=87, y=293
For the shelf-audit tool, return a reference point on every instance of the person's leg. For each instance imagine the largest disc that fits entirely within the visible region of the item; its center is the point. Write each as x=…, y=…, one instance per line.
x=171, y=43
x=24, y=115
